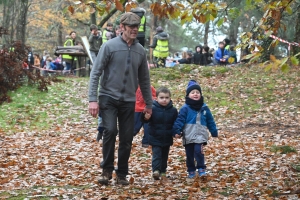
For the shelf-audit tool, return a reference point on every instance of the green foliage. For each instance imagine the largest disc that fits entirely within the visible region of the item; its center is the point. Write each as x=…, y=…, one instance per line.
x=283, y=149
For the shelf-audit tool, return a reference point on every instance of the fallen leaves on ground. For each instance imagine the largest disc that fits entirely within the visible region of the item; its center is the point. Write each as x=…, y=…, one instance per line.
x=63, y=162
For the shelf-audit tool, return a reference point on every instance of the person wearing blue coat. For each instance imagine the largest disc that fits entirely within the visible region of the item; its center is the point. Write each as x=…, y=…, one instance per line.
x=160, y=130
x=191, y=124
x=222, y=54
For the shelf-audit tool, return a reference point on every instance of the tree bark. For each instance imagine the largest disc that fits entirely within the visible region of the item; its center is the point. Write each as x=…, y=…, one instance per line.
x=22, y=21
x=296, y=49
x=206, y=31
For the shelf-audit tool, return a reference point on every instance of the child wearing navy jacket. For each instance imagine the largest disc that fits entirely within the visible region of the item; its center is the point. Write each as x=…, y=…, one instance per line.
x=191, y=124
x=160, y=130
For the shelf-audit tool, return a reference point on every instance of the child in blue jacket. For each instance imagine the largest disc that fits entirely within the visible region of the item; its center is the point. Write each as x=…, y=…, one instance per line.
x=160, y=130
x=191, y=124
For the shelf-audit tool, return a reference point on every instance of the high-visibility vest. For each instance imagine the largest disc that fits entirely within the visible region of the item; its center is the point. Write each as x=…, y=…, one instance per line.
x=162, y=49
x=104, y=38
x=142, y=25
x=65, y=44
x=11, y=49
x=227, y=47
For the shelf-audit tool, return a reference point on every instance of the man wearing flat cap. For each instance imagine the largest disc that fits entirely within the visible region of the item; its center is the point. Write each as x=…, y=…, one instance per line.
x=122, y=65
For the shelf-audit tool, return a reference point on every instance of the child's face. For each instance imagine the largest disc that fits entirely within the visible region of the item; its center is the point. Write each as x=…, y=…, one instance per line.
x=163, y=99
x=195, y=94
x=198, y=49
x=221, y=46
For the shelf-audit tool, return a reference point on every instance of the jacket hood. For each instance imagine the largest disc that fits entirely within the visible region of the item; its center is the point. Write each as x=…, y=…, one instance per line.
x=162, y=36
x=170, y=105
x=197, y=47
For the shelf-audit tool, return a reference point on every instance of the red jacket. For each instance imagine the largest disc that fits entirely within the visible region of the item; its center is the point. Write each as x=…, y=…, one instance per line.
x=140, y=103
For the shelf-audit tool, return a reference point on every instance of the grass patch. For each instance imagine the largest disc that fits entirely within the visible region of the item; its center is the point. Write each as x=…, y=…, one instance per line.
x=31, y=109
x=283, y=149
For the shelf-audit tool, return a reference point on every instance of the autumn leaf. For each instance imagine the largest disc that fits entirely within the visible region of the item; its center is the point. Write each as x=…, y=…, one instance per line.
x=71, y=9
x=119, y=6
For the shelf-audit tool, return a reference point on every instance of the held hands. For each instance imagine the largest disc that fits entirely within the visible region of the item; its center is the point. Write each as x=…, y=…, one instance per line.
x=147, y=116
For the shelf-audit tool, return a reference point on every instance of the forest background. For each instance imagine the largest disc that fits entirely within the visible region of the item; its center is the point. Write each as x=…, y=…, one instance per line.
x=43, y=25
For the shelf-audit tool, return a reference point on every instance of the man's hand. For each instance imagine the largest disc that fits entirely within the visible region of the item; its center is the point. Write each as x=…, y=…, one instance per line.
x=94, y=108
x=148, y=110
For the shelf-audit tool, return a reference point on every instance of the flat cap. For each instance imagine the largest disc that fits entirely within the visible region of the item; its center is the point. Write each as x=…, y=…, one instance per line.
x=130, y=19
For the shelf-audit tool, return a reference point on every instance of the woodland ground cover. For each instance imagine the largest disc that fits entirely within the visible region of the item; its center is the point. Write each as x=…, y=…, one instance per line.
x=48, y=147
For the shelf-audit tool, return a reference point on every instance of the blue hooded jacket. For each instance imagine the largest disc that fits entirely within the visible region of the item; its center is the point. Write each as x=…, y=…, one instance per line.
x=193, y=124
x=161, y=124
x=218, y=54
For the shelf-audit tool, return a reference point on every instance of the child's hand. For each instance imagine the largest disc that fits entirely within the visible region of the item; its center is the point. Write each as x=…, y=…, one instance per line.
x=147, y=116
x=178, y=136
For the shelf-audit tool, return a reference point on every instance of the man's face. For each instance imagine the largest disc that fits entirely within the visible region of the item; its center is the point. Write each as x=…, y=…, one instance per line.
x=130, y=32
x=221, y=45
x=73, y=35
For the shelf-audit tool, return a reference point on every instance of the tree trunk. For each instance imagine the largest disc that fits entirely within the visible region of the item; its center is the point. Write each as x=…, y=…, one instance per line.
x=59, y=34
x=206, y=31
x=233, y=32
x=22, y=21
x=93, y=18
x=296, y=49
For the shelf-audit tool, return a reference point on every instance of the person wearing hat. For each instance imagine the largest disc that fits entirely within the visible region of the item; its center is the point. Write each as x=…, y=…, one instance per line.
x=122, y=65
x=161, y=47
x=69, y=60
x=191, y=124
x=107, y=33
x=142, y=29
x=95, y=41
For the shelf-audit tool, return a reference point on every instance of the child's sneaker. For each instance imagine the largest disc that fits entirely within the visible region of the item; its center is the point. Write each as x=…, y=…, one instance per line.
x=156, y=175
x=192, y=174
x=201, y=172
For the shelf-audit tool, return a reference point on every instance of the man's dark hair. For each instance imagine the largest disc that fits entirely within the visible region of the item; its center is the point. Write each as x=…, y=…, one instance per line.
x=221, y=43
x=163, y=90
x=109, y=24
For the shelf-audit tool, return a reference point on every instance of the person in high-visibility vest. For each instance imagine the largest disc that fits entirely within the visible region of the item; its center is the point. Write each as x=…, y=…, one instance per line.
x=161, y=47
x=226, y=41
x=142, y=29
x=107, y=33
x=69, y=60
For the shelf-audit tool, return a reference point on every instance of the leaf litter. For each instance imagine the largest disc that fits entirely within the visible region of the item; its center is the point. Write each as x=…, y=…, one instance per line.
x=254, y=110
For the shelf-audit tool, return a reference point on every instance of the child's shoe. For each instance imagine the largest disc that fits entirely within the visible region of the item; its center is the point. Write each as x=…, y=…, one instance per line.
x=201, y=172
x=192, y=174
x=156, y=175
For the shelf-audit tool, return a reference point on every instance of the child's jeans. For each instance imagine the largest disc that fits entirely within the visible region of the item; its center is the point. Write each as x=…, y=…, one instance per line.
x=160, y=158
x=138, y=124
x=194, y=151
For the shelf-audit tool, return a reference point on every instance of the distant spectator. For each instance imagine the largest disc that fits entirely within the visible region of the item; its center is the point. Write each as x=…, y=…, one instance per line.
x=176, y=56
x=142, y=29
x=95, y=41
x=107, y=33
x=170, y=61
x=232, y=53
x=221, y=55
x=207, y=56
x=226, y=44
x=198, y=57
x=186, y=58
x=161, y=47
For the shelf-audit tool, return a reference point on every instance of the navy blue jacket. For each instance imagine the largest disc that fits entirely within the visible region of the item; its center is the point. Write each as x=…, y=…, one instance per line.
x=161, y=124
